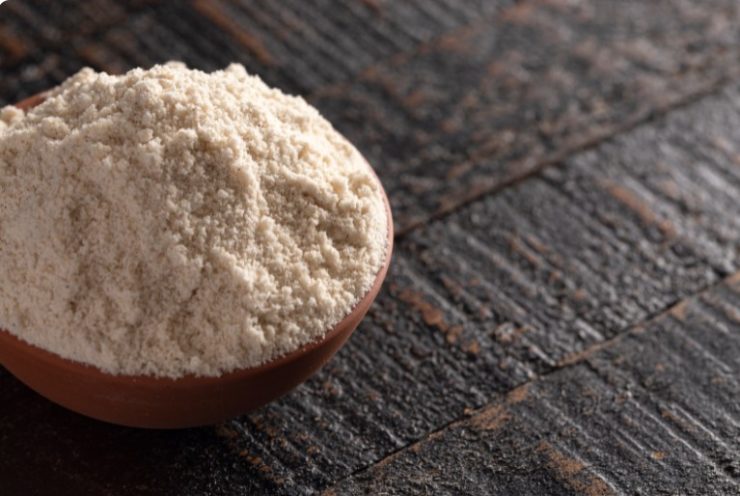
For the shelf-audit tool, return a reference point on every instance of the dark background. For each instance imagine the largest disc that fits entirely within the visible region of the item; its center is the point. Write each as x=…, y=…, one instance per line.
x=563, y=311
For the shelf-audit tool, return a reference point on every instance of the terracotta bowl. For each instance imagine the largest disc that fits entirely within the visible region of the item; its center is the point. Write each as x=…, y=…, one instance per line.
x=142, y=401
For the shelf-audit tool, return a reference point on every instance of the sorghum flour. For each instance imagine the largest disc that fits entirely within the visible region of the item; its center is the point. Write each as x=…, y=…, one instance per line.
x=170, y=222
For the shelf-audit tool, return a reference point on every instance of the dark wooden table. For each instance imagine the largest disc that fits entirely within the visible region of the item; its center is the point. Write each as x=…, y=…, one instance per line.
x=563, y=311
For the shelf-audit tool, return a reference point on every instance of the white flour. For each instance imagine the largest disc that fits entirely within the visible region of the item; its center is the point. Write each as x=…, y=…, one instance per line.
x=171, y=222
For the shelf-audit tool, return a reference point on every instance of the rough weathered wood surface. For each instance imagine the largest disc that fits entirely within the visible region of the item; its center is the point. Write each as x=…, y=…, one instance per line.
x=637, y=416
x=562, y=315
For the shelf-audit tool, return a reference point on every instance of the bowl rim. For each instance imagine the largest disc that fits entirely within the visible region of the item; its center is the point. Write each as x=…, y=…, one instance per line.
x=81, y=368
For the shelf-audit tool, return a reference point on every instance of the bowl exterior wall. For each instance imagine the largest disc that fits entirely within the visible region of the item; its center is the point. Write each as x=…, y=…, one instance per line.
x=161, y=403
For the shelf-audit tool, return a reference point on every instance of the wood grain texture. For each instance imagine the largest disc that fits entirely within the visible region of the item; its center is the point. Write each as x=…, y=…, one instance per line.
x=52, y=24
x=513, y=287
x=322, y=42
x=660, y=402
x=175, y=31
x=146, y=34
x=38, y=40
x=487, y=105
x=297, y=45
x=522, y=277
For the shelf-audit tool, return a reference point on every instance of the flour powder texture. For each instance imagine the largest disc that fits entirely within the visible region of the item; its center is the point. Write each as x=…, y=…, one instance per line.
x=169, y=222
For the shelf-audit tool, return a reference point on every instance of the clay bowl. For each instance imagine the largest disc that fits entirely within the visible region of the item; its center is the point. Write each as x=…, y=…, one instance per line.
x=142, y=401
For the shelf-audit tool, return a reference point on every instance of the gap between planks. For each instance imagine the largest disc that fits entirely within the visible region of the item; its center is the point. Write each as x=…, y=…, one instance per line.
x=558, y=158
x=676, y=308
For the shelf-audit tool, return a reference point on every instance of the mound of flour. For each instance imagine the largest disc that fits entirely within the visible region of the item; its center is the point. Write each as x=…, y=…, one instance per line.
x=171, y=222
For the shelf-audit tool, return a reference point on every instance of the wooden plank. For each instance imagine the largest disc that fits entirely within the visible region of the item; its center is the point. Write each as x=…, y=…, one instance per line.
x=174, y=31
x=55, y=23
x=323, y=42
x=515, y=286
x=585, y=250
x=297, y=46
x=485, y=106
x=653, y=413
x=169, y=31
x=165, y=31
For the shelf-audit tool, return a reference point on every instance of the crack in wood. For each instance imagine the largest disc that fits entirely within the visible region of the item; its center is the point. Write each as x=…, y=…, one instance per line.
x=484, y=190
